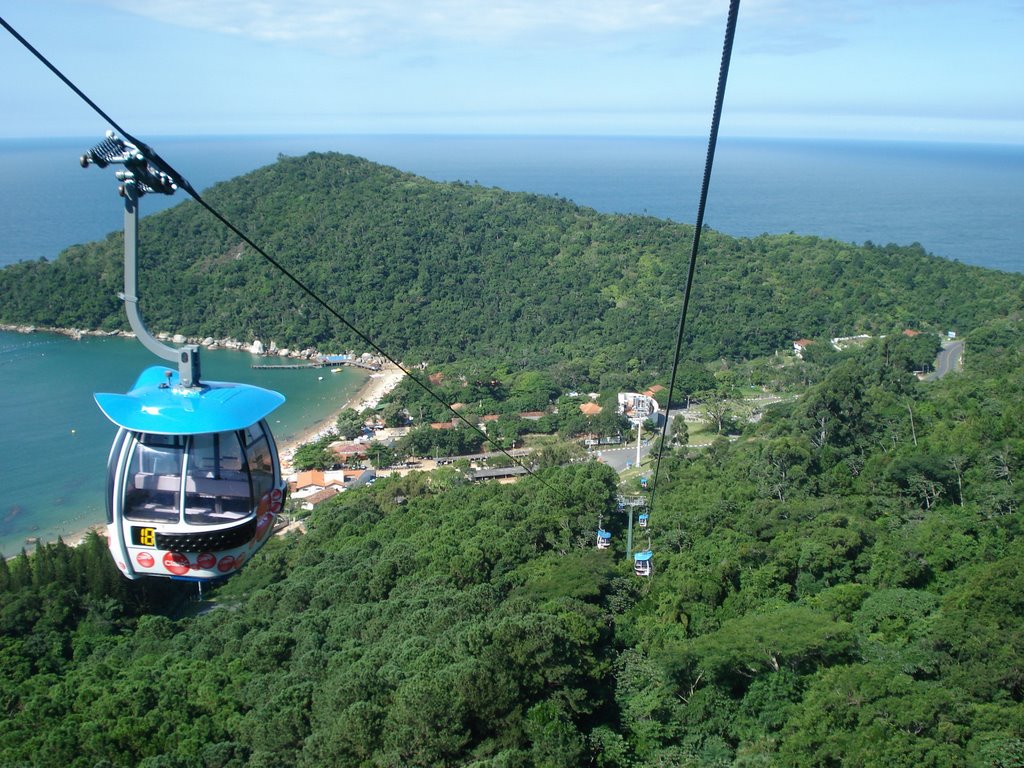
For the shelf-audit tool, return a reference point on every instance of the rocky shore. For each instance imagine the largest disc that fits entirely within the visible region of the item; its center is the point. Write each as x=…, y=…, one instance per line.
x=256, y=347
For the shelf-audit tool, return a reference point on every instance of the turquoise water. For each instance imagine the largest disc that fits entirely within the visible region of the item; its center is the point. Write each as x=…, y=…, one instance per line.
x=56, y=440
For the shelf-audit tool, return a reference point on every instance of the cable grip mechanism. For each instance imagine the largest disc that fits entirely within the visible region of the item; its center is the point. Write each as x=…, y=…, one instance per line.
x=139, y=177
x=139, y=172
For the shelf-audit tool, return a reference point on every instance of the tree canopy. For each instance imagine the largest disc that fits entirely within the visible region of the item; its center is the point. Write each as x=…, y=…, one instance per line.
x=852, y=599
x=838, y=583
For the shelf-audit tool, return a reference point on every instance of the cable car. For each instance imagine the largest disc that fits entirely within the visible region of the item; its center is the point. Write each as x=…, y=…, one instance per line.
x=193, y=478
x=642, y=565
x=642, y=520
x=604, y=539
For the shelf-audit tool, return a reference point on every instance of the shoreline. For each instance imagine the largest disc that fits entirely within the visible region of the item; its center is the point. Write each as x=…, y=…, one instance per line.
x=78, y=537
x=373, y=390
x=255, y=347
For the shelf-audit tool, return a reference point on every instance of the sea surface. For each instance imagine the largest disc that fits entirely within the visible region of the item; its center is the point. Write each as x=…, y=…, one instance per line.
x=959, y=201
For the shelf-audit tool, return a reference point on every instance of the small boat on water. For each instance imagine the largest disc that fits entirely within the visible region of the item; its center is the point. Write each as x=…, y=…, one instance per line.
x=337, y=370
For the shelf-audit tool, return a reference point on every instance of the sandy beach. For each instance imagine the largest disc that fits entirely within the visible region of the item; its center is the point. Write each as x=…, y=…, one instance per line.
x=74, y=539
x=370, y=394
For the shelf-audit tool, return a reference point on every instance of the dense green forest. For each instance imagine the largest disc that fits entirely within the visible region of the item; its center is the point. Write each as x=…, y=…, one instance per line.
x=841, y=586
x=445, y=271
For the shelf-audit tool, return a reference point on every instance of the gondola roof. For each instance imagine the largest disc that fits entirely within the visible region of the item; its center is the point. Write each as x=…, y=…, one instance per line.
x=158, y=405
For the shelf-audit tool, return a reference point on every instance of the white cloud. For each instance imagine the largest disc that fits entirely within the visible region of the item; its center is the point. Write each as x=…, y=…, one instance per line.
x=359, y=27
x=365, y=25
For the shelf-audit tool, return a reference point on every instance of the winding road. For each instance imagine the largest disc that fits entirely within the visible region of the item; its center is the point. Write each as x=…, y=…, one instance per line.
x=950, y=358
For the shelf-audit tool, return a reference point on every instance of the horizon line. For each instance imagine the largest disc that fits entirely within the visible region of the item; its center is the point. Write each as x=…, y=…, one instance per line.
x=972, y=141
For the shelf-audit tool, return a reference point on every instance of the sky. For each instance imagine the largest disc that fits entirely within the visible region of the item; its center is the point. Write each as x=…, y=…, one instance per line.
x=942, y=70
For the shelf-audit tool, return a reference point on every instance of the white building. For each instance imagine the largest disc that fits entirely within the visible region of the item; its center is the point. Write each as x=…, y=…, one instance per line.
x=637, y=408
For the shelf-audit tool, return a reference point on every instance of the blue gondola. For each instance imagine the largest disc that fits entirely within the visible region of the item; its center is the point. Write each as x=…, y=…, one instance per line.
x=642, y=520
x=642, y=564
x=193, y=478
x=604, y=539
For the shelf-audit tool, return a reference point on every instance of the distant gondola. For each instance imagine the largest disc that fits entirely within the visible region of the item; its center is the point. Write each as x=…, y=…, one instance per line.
x=642, y=565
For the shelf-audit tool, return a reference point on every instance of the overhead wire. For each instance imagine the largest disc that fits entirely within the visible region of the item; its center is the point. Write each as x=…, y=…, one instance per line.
x=184, y=184
x=723, y=76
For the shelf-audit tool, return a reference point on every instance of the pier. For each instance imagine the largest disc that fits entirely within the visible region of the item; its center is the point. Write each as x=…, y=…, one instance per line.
x=316, y=363
x=286, y=366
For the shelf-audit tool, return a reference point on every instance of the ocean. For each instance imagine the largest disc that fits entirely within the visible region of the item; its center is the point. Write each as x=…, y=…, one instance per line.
x=959, y=201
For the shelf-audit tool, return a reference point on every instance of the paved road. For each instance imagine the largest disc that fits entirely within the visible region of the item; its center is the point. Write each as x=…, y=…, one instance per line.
x=618, y=457
x=950, y=358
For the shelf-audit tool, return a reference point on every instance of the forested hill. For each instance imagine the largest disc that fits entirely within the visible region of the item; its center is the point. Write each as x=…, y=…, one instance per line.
x=841, y=586
x=440, y=270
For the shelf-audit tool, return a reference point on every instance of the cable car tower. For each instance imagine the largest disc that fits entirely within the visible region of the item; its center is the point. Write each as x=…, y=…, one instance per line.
x=193, y=478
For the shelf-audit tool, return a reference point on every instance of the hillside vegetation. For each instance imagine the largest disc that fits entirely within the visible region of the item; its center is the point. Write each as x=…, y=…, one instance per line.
x=839, y=587
x=444, y=271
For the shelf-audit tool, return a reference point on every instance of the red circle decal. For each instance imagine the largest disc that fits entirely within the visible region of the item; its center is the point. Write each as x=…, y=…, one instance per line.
x=226, y=564
x=206, y=560
x=176, y=563
x=276, y=494
x=145, y=559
